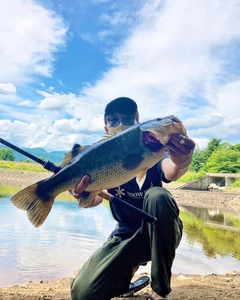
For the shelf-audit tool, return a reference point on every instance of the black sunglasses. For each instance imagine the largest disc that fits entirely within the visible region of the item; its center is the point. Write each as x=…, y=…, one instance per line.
x=115, y=121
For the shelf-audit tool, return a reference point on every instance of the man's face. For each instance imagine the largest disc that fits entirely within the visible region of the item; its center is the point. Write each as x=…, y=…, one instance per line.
x=119, y=122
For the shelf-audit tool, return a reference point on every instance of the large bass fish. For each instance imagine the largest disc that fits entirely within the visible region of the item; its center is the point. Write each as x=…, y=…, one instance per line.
x=109, y=163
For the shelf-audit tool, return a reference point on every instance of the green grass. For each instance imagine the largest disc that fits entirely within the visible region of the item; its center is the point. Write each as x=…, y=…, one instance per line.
x=11, y=165
x=236, y=183
x=6, y=190
x=189, y=176
x=235, y=222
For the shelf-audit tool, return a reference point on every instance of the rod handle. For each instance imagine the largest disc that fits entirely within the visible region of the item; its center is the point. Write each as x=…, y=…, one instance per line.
x=142, y=214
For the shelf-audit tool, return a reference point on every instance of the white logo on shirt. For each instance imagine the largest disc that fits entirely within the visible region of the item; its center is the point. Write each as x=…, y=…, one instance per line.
x=137, y=195
x=119, y=192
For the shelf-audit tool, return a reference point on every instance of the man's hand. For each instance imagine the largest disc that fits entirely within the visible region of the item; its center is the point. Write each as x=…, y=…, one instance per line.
x=181, y=150
x=80, y=187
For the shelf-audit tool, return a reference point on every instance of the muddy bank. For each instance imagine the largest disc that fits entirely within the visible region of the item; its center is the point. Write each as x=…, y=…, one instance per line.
x=21, y=178
x=207, y=198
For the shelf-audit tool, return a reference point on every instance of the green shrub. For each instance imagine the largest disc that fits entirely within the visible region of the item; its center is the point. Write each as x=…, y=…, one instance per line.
x=236, y=183
x=189, y=176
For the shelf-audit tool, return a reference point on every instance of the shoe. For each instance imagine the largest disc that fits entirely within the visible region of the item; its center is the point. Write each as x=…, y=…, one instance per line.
x=136, y=286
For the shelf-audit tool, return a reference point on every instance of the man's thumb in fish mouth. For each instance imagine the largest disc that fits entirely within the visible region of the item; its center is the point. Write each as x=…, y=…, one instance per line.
x=82, y=185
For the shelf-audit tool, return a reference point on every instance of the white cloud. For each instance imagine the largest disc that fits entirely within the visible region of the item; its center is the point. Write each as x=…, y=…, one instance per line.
x=50, y=89
x=61, y=83
x=21, y=132
x=27, y=103
x=7, y=88
x=177, y=58
x=204, y=122
x=118, y=18
x=169, y=55
x=74, y=105
x=52, y=103
x=29, y=37
x=228, y=98
x=60, y=135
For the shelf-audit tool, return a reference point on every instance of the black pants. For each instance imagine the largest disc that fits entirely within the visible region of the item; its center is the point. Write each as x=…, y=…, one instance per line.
x=108, y=271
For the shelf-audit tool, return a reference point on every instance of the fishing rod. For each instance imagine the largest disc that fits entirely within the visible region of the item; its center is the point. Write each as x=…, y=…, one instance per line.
x=50, y=166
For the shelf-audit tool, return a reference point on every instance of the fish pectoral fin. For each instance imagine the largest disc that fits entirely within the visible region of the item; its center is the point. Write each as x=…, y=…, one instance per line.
x=140, y=178
x=76, y=149
x=86, y=198
x=37, y=209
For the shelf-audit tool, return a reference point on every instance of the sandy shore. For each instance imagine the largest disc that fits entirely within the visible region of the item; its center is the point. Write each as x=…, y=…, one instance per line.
x=187, y=287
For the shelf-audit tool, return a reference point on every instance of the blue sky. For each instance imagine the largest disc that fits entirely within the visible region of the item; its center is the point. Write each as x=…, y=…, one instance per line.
x=62, y=61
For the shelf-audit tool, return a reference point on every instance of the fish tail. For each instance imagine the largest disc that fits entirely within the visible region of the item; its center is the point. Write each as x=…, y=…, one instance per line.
x=36, y=207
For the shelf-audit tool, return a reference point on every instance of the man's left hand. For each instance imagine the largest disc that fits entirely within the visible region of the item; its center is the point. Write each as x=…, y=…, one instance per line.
x=181, y=149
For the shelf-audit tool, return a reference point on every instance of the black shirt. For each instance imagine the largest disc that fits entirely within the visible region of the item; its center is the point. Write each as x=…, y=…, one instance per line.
x=131, y=193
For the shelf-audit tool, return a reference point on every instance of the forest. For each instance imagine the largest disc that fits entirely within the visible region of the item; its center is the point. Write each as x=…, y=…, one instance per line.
x=217, y=157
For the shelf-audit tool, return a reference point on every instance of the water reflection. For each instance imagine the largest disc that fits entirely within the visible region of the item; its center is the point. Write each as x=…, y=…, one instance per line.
x=215, y=217
x=211, y=241
x=218, y=232
x=57, y=248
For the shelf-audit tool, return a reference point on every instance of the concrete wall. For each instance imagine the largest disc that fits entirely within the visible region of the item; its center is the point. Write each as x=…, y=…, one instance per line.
x=222, y=180
x=198, y=184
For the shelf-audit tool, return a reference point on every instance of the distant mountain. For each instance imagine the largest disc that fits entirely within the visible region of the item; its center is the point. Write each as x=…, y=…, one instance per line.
x=54, y=156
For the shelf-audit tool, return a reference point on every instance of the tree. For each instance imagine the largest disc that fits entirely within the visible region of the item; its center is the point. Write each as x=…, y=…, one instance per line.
x=6, y=154
x=212, y=146
x=236, y=147
x=224, y=160
x=200, y=157
x=216, y=157
x=198, y=160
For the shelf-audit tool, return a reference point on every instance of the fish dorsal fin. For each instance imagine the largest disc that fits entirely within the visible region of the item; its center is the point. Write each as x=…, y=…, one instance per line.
x=76, y=149
x=140, y=178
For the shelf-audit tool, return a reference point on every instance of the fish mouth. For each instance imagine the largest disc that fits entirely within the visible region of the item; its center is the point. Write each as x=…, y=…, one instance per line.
x=151, y=142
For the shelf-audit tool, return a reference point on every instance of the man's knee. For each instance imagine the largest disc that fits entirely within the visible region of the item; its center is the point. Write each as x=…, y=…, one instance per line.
x=87, y=288
x=157, y=194
x=80, y=291
x=160, y=199
x=77, y=294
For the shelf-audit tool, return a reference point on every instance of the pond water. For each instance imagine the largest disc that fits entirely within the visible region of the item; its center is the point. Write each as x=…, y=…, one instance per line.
x=210, y=244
